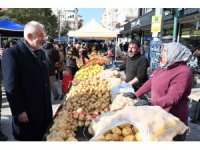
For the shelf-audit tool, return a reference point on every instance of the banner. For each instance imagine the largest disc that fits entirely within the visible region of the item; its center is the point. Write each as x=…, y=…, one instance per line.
x=156, y=23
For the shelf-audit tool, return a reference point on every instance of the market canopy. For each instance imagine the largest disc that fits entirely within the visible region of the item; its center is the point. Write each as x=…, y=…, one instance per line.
x=10, y=28
x=93, y=30
x=10, y=25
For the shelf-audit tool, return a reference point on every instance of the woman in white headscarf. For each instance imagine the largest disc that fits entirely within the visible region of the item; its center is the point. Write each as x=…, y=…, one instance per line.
x=170, y=85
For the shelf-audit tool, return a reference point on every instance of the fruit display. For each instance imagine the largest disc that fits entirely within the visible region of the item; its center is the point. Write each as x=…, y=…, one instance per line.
x=91, y=96
x=97, y=60
x=88, y=98
x=83, y=119
x=64, y=128
x=124, y=132
x=88, y=72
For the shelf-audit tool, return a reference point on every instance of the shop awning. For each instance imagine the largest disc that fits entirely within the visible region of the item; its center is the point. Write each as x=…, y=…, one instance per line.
x=9, y=25
x=11, y=29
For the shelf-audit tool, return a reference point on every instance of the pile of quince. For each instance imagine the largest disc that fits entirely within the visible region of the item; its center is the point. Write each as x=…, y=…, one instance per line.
x=88, y=72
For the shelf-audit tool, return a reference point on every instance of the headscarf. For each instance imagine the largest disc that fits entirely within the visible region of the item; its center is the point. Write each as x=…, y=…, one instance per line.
x=176, y=52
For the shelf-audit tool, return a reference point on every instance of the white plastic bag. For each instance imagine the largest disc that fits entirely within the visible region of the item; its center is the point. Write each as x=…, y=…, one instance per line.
x=120, y=102
x=153, y=123
x=109, y=73
x=122, y=88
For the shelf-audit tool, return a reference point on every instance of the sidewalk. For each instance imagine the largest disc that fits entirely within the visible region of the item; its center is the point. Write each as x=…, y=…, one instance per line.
x=7, y=117
x=194, y=134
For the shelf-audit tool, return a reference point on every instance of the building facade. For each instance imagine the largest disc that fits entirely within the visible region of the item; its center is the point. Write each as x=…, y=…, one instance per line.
x=188, y=32
x=69, y=16
x=114, y=17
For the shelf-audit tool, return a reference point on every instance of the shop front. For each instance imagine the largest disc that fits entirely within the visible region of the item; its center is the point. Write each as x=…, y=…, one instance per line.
x=125, y=33
x=190, y=28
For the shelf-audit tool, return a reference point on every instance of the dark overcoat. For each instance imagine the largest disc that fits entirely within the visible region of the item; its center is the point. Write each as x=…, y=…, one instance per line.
x=26, y=82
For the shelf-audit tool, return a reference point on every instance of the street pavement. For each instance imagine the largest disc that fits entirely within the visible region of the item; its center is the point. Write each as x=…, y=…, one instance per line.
x=6, y=119
x=193, y=135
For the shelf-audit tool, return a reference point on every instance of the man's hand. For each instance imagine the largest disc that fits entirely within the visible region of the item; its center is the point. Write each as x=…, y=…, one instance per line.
x=23, y=117
x=134, y=81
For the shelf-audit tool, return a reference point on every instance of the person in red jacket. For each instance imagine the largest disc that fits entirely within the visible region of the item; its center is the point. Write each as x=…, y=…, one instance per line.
x=170, y=85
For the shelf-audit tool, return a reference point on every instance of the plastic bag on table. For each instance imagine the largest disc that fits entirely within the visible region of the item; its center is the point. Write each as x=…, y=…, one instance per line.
x=109, y=73
x=120, y=102
x=113, y=82
x=122, y=88
x=153, y=123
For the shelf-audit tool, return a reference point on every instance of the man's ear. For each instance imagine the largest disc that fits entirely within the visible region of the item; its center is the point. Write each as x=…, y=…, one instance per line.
x=30, y=36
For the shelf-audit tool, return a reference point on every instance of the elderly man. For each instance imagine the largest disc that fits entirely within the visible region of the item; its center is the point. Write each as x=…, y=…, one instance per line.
x=26, y=82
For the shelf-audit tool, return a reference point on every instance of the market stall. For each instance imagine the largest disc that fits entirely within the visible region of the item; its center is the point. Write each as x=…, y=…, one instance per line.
x=96, y=110
x=9, y=28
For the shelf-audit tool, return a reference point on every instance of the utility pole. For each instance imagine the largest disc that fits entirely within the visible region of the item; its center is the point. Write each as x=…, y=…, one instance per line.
x=176, y=15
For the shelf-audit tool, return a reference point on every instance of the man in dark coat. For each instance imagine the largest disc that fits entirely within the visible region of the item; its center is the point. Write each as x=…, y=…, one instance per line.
x=135, y=66
x=27, y=87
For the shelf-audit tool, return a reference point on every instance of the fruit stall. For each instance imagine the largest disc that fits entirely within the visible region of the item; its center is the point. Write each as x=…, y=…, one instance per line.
x=91, y=111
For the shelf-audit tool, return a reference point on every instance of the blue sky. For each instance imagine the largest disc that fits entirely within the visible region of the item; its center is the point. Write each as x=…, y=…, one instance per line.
x=89, y=13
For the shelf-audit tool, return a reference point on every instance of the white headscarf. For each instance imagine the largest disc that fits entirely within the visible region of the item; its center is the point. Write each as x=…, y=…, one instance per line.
x=176, y=52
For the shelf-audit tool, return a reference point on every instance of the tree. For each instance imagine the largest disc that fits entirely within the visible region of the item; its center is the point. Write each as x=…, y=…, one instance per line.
x=80, y=24
x=65, y=28
x=42, y=15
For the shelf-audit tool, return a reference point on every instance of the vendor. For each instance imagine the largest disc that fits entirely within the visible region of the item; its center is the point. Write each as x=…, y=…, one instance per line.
x=171, y=83
x=135, y=66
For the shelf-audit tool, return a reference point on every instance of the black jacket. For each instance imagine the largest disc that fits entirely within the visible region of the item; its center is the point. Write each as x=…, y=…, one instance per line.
x=52, y=57
x=136, y=66
x=27, y=87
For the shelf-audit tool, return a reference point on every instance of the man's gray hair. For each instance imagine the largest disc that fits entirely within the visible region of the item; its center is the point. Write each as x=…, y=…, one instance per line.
x=31, y=27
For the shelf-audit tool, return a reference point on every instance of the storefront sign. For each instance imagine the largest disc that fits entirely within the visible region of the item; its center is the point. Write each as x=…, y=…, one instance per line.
x=186, y=31
x=135, y=23
x=121, y=28
x=197, y=32
x=156, y=23
x=168, y=32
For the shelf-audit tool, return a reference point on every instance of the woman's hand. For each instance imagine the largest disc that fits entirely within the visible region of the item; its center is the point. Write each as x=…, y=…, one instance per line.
x=142, y=102
x=130, y=95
